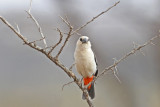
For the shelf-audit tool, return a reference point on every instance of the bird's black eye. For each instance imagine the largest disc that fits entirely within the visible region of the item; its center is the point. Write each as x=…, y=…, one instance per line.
x=80, y=39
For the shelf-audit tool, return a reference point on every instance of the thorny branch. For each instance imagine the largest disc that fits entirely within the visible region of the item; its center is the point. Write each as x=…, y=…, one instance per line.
x=127, y=55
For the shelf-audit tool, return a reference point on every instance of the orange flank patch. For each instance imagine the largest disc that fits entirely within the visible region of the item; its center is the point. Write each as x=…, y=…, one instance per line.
x=87, y=80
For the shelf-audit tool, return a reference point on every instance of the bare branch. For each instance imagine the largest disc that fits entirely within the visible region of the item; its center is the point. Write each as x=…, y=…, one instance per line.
x=127, y=55
x=13, y=29
x=94, y=18
x=29, y=10
x=70, y=68
x=37, y=40
x=60, y=40
x=76, y=31
x=66, y=21
x=135, y=45
x=20, y=35
x=67, y=38
x=67, y=33
x=39, y=28
x=37, y=24
x=64, y=44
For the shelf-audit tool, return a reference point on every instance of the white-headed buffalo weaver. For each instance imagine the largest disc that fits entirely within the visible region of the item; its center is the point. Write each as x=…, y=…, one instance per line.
x=86, y=64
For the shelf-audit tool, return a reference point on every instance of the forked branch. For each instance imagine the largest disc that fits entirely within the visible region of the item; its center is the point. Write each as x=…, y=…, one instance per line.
x=60, y=40
x=37, y=24
x=67, y=38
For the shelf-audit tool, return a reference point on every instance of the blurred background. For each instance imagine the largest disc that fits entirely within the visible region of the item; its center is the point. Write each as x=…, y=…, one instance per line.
x=29, y=79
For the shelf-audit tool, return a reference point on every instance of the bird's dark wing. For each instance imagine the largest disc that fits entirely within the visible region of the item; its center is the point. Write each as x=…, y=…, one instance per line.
x=96, y=66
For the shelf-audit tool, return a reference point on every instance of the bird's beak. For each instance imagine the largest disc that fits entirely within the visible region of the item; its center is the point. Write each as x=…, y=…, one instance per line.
x=85, y=40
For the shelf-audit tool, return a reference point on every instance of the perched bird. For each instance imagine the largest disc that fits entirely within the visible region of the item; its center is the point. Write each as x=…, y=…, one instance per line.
x=86, y=64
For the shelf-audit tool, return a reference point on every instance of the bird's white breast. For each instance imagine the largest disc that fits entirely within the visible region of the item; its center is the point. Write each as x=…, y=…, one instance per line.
x=85, y=62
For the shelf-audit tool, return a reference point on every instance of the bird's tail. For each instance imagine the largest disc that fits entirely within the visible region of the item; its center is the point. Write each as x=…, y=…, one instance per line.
x=90, y=88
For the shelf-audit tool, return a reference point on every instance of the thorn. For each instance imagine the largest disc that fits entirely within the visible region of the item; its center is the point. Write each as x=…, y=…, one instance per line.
x=115, y=71
x=115, y=61
x=29, y=10
x=152, y=43
x=66, y=84
x=142, y=52
x=118, y=78
x=115, y=74
x=134, y=45
x=17, y=28
x=70, y=68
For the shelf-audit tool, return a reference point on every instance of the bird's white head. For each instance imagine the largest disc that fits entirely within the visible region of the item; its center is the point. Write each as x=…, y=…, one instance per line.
x=83, y=43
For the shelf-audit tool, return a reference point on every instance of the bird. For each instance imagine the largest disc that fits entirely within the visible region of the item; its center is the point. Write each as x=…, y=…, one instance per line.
x=86, y=64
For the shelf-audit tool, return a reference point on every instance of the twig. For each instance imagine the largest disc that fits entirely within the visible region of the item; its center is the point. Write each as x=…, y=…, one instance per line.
x=66, y=21
x=115, y=71
x=67, y=34
x=115, y=74
x=66, y=84
x=37, y=40
x=17, y=28
x=13, y=29
x=29, y=10
x=135, y=45
x=70, y=68
x=67, y=38
x=37, y=24
x=20, y=35
x=94, y=18
x=60, y=40
x=64, y=44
